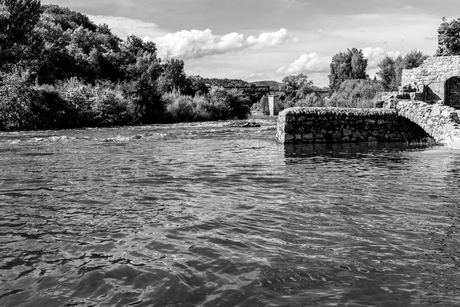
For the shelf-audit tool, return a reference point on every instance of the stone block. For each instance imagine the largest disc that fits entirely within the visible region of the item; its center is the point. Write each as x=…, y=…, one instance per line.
x=337, y=135
x=448, y=113
x=436, y=110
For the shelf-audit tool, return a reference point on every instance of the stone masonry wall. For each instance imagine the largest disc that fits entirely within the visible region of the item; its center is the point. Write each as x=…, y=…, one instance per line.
x=321, y=125
x=440, y=122
x=430, y=77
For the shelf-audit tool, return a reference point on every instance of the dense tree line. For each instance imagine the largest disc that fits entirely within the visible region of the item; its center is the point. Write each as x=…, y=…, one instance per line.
x=60, y=70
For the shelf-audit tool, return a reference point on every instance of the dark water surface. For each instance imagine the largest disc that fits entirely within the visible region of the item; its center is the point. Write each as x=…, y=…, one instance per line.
x=207, y=215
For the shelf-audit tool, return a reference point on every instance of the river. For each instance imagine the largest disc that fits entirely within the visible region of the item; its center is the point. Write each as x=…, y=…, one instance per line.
x=209, y=215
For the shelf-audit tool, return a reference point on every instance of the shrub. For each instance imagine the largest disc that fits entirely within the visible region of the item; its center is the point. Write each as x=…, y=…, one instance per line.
x=356, y=93
x=86, y=105
x=16, y=93
x=202, y=106
x=229, y=104
x=182, y=108
x=50, y=111
x=219, y=103
x=109, y=105
x=310, y=100
x=78, y=96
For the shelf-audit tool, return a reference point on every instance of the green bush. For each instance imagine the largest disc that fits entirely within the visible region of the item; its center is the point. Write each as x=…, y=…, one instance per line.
x=16, y=93
x=181, y=108
x=229, y=103
x=109, y=105
x=24, y=106
x=219, y=103
x=103, y=104
x=50, y=111
x=78, y=96
x=73, y=103
x=356, y=93
x=311, y=100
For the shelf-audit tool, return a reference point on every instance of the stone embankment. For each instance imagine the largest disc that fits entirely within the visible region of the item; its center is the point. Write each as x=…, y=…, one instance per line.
x=321, y=125
x=441, y=122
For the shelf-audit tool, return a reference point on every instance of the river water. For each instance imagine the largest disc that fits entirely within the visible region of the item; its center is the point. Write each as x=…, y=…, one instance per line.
x=211, y=215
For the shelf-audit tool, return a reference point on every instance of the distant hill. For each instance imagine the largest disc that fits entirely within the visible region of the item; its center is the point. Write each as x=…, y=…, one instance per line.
x=237, y=82
x=225, y=82
x=271, y=84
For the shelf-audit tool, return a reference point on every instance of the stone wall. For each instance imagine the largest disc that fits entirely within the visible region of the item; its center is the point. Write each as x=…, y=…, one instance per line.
x=440, y=122
x=320, y=125
x=431, y=76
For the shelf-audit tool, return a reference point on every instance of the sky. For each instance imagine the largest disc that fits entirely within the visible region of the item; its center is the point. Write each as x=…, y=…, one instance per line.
x=257, y=40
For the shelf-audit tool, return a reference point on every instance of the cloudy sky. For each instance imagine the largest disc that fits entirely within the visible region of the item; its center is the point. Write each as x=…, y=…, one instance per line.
x=269, y=39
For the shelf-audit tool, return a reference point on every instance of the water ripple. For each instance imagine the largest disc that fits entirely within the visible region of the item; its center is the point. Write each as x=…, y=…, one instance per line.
x=211, y=215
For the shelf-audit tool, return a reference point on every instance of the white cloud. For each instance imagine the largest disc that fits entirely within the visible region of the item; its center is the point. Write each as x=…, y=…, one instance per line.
x=195, y=43
x=123, y=27
x=375, y=55
x=307, y=63
x=317, y=65
x=270, y=39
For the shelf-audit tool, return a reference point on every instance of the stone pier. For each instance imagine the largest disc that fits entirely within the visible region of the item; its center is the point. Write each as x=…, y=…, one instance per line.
x=327, y=125
x=409, y=121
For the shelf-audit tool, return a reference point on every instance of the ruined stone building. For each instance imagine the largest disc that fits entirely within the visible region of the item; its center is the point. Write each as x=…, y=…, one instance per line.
x=437, y=80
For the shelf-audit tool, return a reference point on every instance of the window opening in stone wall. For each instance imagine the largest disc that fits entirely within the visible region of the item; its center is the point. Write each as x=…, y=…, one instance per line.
x=452, y=92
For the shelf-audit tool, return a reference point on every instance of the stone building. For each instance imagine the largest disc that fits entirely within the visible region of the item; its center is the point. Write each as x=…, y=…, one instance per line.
x=437, y=80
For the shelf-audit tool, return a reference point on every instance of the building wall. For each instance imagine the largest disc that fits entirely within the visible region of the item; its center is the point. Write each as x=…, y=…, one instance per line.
x=431, y=76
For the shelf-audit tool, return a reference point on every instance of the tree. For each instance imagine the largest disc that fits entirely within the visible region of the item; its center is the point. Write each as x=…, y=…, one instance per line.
x=67, y=44
x=449, y=37
x=414, y=59
x=67, y=18
x=149, y=107
x=197, y=86
x=356, y=93
x=297, y=86
x=387, y=73
x=390, y=72
x=228, y=103
x=347, y=65
x=15, y=94
x=17, y=19
x=173, y=76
